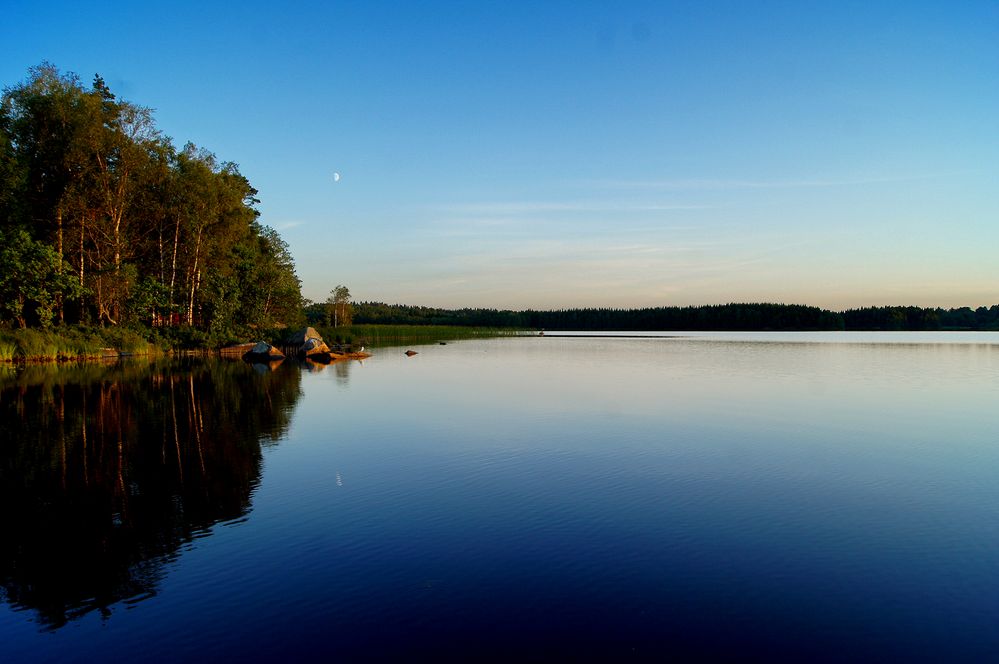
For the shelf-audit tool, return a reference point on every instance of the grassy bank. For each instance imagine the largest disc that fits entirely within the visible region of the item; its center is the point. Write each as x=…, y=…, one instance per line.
x=65, y=343
x=77, y=342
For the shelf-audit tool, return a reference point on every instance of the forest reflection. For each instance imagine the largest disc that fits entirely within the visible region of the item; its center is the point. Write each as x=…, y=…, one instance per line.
x=106, y=471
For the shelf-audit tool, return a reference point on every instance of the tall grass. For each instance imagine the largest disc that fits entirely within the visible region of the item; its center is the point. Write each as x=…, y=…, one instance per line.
x=64, y=343
x=32, y=344
x=8, y=348
x=388, y=335
x=37, y=344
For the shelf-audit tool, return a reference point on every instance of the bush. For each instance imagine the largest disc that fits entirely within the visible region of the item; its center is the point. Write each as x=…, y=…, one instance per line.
x=180, y=337
x=128, y=340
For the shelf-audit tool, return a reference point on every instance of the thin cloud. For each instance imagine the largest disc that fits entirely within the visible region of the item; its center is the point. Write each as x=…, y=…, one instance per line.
x=701, y=184
x=535, y=207
x=287, y=225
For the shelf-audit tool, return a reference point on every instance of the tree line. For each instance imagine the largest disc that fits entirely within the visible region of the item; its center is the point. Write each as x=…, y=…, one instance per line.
x=747, y=317
x=103, y=221
x=918, y=318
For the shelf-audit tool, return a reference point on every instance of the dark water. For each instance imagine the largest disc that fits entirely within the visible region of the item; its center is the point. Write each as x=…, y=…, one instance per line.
x=778, y=498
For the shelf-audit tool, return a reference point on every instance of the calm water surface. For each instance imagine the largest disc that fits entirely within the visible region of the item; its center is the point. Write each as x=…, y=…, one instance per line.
x=773, y=496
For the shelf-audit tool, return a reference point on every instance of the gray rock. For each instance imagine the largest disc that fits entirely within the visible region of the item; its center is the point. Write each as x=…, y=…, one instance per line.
x=304, y=335
x=263, y=351
x=314, y=346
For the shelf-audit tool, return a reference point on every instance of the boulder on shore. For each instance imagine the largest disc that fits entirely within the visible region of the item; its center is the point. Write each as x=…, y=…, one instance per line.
x=313, y=347
x=304, y=335
x=263, y=351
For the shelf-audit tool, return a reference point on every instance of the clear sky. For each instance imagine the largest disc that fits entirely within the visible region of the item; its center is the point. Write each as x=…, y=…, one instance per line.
x=550, y=154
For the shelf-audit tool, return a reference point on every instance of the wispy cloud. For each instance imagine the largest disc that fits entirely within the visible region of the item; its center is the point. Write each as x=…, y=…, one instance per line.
x=534, y=227
x=287, y=225
x=735, y=183
x=536, y=207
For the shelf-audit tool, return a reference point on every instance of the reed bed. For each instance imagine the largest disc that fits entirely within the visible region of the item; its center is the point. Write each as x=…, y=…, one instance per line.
x=388, y=335
x=66, y=343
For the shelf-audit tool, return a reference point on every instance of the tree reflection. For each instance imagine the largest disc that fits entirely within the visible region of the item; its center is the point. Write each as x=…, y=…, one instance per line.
x=107, y=470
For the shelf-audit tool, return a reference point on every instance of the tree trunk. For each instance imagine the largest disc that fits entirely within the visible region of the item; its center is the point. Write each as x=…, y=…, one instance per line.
x=160, y=246
x=195, y=277
x=83, y=224
x=173, y=262
x=20, y=317
x=59, y=249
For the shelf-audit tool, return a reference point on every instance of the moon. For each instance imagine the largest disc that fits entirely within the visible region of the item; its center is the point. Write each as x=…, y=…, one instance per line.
x=336, y=177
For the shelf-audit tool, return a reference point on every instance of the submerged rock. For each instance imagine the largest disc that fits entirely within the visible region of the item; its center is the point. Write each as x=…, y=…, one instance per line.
x=411, y=353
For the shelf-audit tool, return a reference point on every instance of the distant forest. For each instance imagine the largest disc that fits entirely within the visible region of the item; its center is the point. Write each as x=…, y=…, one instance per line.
x=104, y=222
x=714, y=317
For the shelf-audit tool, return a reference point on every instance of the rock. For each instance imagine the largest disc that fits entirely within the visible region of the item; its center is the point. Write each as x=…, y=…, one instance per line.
x=263, y=348
x=313, y=347
x=263, y=351
x=411, y=353
x=304, y=335
x=238, y=350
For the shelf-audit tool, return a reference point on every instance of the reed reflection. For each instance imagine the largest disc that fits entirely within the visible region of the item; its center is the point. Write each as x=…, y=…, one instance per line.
x=107, y=470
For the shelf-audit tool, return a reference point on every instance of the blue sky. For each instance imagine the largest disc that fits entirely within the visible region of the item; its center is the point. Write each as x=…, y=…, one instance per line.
x=556, y=154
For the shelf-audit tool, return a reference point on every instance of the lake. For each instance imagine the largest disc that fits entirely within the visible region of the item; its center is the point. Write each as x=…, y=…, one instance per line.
x=821, y=497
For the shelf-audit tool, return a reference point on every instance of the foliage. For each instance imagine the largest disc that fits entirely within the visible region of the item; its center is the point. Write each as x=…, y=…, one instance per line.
x=110, y=223
x=339, y=309
x=918, y=318
x=148, y=297
x=32, y=279
x=128, y=340
x=180, y=337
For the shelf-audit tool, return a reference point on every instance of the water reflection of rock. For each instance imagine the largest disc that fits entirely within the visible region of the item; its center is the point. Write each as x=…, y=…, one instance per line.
x=107, y=470
x=265, y=367
x=340, y=368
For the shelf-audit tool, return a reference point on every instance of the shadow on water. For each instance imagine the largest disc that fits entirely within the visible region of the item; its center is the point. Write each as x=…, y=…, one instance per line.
x=107, y=470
